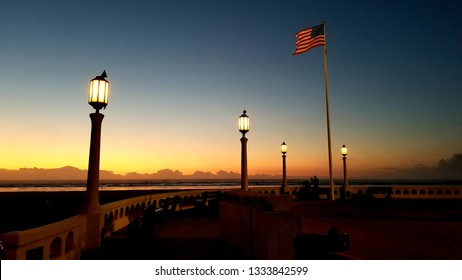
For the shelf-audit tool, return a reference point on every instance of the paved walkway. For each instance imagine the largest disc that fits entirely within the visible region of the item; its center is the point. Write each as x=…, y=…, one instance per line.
x=182, y=238
x=392, y=230
x=378, y=230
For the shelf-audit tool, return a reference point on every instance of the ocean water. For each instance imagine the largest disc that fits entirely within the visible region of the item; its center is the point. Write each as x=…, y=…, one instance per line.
x=107, y=188
x=72, y=186
x=50, y=186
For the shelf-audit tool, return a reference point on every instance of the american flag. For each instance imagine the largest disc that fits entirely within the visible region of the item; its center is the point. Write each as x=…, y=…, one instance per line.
x=309, y=38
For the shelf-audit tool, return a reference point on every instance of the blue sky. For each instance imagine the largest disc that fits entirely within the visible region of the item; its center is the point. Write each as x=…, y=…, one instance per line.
x=181, y=73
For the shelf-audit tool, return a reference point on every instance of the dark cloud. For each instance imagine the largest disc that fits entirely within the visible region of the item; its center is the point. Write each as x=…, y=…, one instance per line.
x=452, y=164
x=449, y=169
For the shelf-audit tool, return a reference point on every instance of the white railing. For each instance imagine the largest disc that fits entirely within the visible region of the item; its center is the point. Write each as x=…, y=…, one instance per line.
x=409, y=191
x=60, y=240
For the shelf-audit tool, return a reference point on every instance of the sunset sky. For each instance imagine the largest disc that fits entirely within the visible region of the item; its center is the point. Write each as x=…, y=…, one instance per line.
x=181, y=72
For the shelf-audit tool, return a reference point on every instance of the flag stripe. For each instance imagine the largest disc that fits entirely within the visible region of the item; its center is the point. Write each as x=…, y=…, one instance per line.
x=309, y=38
x=310, y=44
x=319, y=39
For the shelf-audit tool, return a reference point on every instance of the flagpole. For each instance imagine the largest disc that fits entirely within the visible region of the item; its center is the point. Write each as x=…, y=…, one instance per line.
x=331, y=180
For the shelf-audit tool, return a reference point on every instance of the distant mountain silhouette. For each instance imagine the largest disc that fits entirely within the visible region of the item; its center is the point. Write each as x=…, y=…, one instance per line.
x=62, y=173
x=73, y=173
x=445, y=169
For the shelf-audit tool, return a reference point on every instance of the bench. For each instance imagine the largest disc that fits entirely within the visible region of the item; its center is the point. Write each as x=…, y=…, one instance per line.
x=143, y=226
x=166, y=207
x=208, y=199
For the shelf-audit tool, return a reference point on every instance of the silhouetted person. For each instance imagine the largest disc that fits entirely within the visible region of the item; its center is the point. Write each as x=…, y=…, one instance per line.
x=315, y=182
x=305, y=191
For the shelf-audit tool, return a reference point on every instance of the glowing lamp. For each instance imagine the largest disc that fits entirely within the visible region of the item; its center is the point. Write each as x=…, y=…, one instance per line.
x=344, y=150
x=99, y=92
x=244, y=123
x=283, y=148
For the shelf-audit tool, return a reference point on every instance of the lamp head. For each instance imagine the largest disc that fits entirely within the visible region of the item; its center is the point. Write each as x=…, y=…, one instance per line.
x=244, y=123
x=99, y=92
x=344, y=150
x=283, y=148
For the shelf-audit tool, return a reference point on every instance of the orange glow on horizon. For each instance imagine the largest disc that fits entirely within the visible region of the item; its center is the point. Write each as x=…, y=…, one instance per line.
x=49, y=146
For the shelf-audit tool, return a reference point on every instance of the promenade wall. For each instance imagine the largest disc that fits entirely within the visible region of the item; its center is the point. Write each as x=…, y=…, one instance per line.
x=66, y=239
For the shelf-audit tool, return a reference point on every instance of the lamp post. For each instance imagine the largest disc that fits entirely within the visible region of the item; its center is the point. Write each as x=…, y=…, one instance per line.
x=244, y=127
x=98, y=99
x=284, y=172
x=344, y=152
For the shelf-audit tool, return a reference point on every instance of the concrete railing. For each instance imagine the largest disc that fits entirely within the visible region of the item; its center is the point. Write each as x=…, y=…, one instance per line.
x=409, y=191
x=61, y=240
x=66, y=239
x=119, y=214
x=397, y=191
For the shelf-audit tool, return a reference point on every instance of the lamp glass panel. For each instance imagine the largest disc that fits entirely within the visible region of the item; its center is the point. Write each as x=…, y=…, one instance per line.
x=244, y=123
x=344, y=150
x=98, y=91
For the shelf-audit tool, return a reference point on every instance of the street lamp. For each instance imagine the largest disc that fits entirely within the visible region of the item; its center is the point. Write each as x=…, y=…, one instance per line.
x=284, y=173
x=343, y=190
x=98, y=99
x=244, y=127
